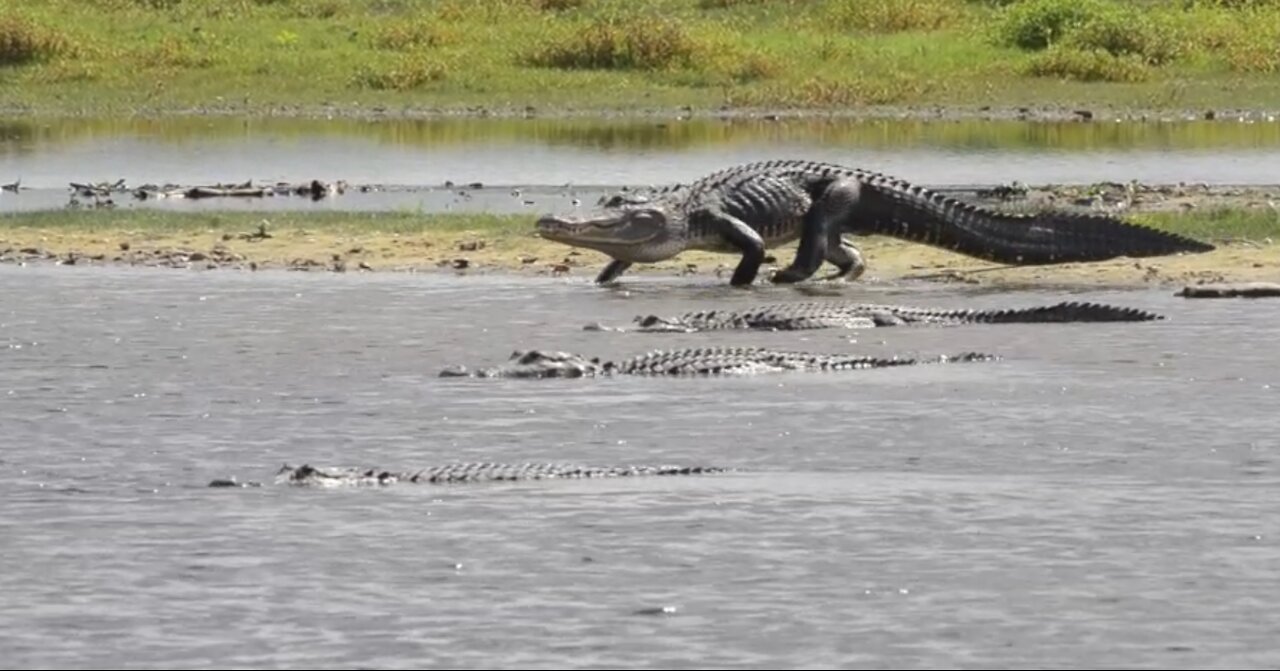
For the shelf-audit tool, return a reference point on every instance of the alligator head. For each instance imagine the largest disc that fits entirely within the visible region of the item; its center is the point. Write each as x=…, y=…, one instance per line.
x=535, y=364
x=628, y=227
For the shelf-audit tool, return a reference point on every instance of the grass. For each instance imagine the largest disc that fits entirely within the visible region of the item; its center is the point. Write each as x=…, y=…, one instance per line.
x=116, y=56
x=1218, y=224
x=1208, y=223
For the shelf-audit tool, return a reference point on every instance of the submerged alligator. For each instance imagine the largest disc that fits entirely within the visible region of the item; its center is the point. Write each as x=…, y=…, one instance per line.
x=748, y=208
x=307, y=475
x=691, y=362
x=840, y=314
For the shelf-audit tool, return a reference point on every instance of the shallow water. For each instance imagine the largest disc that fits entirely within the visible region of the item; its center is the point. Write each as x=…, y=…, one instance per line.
x=553, y=161
x=1102, y=496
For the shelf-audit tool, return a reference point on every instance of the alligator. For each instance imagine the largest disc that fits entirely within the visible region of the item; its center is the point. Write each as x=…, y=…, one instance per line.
x=310, y=476
x=839, y=314
x=751, y=207
x=703, y=361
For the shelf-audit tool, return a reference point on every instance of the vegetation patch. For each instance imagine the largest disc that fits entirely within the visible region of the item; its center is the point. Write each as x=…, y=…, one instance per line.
x=821, y=92
x=25, y=41
x=409, y=72
x=1087, y=66
x=632, y=43
x=412, y=34
x=115, y=56
x=892, y=16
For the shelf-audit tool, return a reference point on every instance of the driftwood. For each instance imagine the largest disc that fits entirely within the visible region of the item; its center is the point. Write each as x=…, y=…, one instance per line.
x=1242, y=290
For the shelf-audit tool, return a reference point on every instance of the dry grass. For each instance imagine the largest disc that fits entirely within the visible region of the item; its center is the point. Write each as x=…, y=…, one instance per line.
x=632, y=43
x=25, y=41
x=409, y=72
x=893, y=16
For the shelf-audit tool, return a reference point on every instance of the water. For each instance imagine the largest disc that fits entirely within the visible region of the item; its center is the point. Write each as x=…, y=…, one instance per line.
x=553, y=161
x=1102, y=496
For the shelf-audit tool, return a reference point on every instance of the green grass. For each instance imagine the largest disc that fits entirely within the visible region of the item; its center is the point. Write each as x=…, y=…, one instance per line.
x=1257, y=224
x=1209, y=224
x=114, y=56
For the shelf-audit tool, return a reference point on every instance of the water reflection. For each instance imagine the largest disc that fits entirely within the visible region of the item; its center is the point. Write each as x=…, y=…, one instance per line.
x=27, y=135
x=598, y=153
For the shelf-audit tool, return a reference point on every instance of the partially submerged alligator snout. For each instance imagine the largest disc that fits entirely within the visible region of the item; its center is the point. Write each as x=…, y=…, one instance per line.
x=692, y=362
x=459, y=473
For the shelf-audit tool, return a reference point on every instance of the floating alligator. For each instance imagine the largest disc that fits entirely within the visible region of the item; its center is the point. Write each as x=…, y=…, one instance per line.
x=690, y=362
x=837, y=314
x=307, y=475
x=748, y=208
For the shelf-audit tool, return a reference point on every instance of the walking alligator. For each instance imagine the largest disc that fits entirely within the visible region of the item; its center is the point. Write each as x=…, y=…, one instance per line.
x=839, y=314
x=703, y=361
x=751, y=207
x=310, y=476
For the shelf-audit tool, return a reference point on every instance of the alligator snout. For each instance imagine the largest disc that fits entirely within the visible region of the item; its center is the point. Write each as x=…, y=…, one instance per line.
x=554, y=224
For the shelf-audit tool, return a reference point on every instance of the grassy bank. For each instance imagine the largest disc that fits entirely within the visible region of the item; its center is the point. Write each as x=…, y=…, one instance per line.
x=117, y=56
x=487, y=243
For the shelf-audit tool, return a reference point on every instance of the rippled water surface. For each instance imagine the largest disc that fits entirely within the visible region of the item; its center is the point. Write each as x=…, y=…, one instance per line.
x=552, y=161
x=1104, y=496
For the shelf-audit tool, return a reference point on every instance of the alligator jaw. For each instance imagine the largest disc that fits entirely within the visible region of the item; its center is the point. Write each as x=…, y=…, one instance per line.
x=632, y=235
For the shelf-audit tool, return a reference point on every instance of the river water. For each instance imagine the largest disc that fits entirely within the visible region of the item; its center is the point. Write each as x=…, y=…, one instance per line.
x=535, y=165
x=1103, y=496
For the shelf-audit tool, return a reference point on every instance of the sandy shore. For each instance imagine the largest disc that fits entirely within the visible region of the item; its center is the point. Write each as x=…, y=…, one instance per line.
x=516, y=249
x=888, y=260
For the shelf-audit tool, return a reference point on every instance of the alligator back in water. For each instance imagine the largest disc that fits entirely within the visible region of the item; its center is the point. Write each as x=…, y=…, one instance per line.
x=843, y=314
x=696, y=361
x=311, y=476
x=748, y=208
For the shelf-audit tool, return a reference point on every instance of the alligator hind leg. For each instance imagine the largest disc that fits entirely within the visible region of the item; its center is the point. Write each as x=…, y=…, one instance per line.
x=846, y=258
x=820, y=234
x=612, y=271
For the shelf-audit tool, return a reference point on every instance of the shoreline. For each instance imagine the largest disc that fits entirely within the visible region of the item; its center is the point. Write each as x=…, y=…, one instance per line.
x=889, y=261
x=1244, y=223
x=941, y=112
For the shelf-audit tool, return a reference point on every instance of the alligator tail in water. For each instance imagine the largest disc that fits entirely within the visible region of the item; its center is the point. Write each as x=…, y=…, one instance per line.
x=748, y=208
x=700, y=361
x=310, y=476
x=838, y=314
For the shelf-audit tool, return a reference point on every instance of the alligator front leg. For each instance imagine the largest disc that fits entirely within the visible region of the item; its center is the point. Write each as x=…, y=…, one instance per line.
x=820, y=234
x=611, y=272
x=743, y=237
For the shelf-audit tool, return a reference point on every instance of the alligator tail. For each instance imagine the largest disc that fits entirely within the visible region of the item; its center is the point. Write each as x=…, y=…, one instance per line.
x=1068, y=311
x=900, y=210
